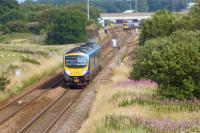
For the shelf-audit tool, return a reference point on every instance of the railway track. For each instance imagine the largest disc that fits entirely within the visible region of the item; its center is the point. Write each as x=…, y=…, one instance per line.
x=11, y=109
x=56, y=108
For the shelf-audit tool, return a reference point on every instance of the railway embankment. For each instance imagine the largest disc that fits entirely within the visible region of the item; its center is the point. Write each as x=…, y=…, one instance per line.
x=125, y=105
x=79, y=112
x=25, y=64
x=43, y=107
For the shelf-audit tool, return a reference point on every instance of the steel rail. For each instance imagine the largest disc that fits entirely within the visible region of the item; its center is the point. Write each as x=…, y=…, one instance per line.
x=25, y=105
x=62, y=112
x=35, y=88
x=41, y=113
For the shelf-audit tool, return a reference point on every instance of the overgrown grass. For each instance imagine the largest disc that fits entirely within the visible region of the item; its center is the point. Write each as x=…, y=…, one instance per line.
x=30, y=81
x=24, y=50
x=161, y=106
x=125, y=106
x=9, y=37
x=121, y=125
x=30, y=60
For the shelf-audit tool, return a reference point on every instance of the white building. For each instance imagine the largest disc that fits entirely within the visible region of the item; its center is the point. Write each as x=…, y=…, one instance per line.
x=120, y=17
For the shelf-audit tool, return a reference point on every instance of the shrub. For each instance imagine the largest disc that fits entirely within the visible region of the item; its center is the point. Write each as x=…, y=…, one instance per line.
x=3, y=81
x=15, y=26
x=173, y=62
x=6, y=5
x=34, y=27
x=68, y=27
x=49, y=16
x=12, y=15
x=162, y=23
x=30, y=60
x=194, y=16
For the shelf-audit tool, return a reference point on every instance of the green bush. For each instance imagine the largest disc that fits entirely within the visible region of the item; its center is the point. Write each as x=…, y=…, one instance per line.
x=15, y=26
x=34, y=27
x=12, y=15
x=3, y=81
x=49, y=16
x=173, y=62
x=6, y=5
x=68, y=27
x=194, y=16
x=162, y=24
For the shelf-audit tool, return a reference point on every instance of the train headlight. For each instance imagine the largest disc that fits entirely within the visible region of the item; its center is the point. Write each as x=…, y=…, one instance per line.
x=84, y=72
x=67, y=72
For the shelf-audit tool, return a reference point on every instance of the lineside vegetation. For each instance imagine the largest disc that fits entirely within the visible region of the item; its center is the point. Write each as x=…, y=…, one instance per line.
x=169, y=54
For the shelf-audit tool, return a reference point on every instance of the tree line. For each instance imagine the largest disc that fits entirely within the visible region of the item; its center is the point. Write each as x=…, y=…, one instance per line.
x=65, y=24
x=169, y=53
x=114, y=6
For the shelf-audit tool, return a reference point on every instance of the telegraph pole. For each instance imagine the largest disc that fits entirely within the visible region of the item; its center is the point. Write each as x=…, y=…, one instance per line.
x=88, y=9
x=136, y=5
x=130, y=5
x=173, y=4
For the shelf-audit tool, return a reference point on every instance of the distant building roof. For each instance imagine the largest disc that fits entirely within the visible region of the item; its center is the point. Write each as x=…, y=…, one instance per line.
x=189, y=5
x=129, y=11
x=126, y=16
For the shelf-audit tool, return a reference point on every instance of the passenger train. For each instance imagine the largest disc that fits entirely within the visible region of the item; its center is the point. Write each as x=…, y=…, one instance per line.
x=131, y=24
x=82, y=63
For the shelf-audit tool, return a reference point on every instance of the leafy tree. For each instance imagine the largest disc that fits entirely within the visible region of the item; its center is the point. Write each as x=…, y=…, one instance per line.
x=34, y=27
x=15, y=26
x=143, y=6
x=94, y=12
x=194, y=16
x=68, y=27
x=173, y=62
x=6, y=5
x=162, y=23
x=11, y=16
x=113, y=6
x=177, y=5
x=49, y=16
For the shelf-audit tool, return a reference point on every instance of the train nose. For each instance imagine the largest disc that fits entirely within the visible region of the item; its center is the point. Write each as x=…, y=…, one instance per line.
x=76, y=73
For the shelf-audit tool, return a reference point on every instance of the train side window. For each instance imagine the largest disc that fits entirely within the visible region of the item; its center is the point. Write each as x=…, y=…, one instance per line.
x=98, y=57
x=94, y=59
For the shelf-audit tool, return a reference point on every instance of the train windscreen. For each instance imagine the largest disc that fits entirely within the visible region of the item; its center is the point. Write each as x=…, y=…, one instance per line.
x=76, y=61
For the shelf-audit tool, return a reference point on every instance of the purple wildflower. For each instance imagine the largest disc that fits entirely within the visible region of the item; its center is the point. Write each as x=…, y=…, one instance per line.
x=137, y=84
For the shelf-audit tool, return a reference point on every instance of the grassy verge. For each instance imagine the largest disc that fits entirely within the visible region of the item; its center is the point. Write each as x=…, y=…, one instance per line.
x=124, y=105
x=6, y=39
x=32, y=60
x=30, y=81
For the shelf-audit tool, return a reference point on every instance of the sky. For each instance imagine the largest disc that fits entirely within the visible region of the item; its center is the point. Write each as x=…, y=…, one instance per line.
x=20, y=1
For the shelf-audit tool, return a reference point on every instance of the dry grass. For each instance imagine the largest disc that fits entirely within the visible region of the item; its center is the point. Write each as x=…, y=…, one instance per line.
x=34, y=66
x=105, y=96
x=107, y=104
x=36, y=70
x=107, y=115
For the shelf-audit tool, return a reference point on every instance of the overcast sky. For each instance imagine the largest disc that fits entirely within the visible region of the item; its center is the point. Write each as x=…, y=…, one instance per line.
x=20, y=0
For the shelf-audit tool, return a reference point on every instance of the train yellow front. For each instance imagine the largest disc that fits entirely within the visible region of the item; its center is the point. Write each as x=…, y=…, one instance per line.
x=82, y=63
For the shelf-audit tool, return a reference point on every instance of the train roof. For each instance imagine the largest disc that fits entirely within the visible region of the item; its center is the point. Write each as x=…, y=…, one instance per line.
x=88, y=48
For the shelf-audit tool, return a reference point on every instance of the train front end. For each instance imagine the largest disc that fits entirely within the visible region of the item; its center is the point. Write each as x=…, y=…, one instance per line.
x=76, y=66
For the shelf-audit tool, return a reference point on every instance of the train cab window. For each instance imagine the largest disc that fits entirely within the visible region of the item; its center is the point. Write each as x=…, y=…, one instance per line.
x=76, y=61
x=81, y=60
